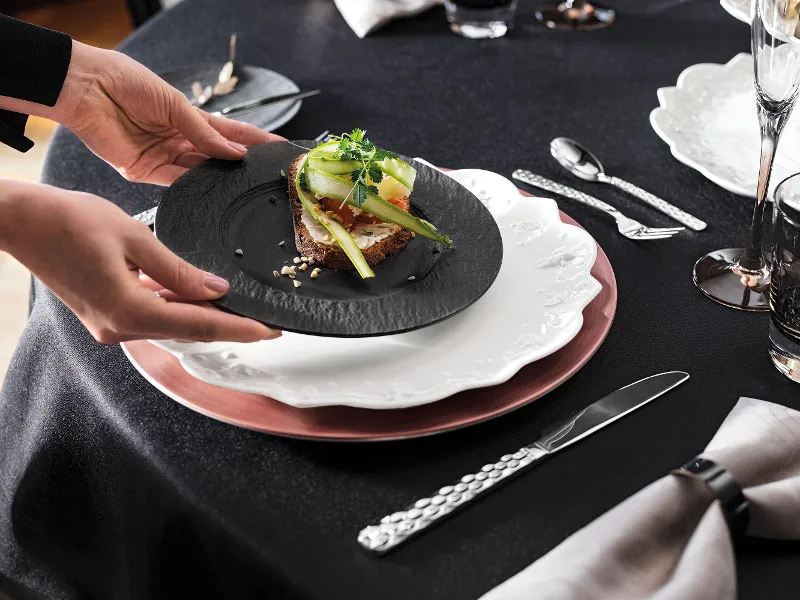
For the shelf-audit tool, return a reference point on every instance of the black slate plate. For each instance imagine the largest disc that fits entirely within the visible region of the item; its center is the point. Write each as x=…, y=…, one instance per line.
x=219, y=207
x=254, y=83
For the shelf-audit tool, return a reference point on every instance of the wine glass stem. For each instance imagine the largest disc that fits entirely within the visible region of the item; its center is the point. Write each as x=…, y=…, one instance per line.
x=771, y=127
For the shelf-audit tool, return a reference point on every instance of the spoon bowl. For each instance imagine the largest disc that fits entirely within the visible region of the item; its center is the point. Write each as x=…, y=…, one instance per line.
x=576, y=159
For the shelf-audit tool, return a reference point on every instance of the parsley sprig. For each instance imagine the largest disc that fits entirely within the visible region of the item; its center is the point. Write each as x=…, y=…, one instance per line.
x=356, y=147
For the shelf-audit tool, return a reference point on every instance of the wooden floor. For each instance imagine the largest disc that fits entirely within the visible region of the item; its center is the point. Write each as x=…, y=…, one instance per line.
x=102, y=23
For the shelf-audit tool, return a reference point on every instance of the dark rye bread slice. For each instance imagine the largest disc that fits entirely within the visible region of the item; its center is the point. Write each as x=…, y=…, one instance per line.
x=333, y=256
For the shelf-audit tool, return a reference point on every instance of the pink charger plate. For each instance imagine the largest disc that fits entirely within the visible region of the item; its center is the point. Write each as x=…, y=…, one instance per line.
x=343, y=423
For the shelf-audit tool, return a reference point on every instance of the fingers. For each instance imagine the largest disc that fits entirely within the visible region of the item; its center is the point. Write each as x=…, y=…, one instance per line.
x=172, y=272
x=194, y=125
x=190, y=160
x=151, y=317
x=185, y=325
x=242, y=133
x=150, y=283
x=164, y=175
x=167, y=162
x=173, y=297
x=186, y=321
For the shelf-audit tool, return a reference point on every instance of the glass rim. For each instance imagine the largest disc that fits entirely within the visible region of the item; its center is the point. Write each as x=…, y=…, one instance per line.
x=780, y=204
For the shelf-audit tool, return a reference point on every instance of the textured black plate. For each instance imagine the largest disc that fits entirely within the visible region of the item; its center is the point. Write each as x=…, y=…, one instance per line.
x=219, y=207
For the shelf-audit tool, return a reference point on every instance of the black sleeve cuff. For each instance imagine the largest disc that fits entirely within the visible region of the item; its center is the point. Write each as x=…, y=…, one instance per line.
x=12, y=131
x=33, y=61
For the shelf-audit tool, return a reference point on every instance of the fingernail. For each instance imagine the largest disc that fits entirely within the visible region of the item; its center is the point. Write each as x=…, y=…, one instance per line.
x=237, y=146
x=215, y=284
x=273, y=334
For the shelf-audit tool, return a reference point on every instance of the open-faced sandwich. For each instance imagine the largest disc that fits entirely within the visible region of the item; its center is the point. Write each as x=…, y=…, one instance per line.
x=350, y=203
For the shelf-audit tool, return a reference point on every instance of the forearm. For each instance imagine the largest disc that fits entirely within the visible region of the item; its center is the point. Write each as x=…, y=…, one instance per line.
x=11, y=194
x=24, y=209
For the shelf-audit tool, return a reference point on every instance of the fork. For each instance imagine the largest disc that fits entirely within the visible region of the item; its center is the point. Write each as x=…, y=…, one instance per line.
x=628, y=227
x=148, y=217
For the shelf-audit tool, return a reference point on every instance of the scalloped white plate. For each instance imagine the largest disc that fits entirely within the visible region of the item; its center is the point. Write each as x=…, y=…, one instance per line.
x=709, y=121
x=739, y=9
x=533, y=309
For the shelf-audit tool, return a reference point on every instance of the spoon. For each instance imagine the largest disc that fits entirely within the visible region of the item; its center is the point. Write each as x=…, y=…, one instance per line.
x=580, y=162
x=226, y=81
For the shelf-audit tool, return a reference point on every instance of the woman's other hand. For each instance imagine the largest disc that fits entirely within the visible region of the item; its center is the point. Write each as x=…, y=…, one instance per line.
x=103, y=265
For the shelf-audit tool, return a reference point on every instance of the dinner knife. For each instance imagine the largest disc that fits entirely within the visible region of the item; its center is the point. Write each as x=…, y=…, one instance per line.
x=258, y=104
x=401, y=526
x=148, y=217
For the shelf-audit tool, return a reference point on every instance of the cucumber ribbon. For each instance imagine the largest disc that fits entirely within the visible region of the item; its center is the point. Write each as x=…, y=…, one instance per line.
x=339, y=233
x=328, y=185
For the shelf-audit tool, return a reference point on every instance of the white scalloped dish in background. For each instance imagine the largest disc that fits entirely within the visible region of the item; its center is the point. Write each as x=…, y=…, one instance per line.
x=709, y=121
x=533, y=309
x=739, y=9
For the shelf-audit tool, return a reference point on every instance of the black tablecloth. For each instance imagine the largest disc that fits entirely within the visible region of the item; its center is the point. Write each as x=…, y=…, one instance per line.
x=108, y=489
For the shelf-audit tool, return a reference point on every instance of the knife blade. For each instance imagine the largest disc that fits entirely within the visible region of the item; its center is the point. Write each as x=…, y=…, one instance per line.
x=258, y=104
x=401, y=526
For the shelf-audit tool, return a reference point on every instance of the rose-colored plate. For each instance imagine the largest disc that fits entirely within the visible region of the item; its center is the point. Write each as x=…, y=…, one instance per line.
x=344, y=423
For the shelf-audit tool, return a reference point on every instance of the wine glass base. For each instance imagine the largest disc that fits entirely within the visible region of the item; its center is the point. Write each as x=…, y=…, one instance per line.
x=586, y=16
x=480, y=31
x=787, y=365
x=717, y=277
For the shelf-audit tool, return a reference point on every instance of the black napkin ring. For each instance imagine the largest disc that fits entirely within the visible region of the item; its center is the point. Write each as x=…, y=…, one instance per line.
x=723, y=485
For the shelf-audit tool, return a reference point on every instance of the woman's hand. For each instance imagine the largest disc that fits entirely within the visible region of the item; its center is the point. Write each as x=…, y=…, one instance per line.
x=90, y=253
x=140, y=125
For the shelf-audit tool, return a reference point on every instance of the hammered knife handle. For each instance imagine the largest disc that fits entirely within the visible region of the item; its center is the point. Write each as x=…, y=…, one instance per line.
x=147, y=217
x=662, y=205
x=399, y=527
x=563, y=190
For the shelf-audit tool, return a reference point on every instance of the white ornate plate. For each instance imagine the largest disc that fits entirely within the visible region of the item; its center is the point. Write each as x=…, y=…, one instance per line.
x=533, y=309
x=709, y=121
x=738, y=8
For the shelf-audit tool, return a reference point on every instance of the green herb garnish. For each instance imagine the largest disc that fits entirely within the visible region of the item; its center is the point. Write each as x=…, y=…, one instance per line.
x=356, y=147
x=303, y=181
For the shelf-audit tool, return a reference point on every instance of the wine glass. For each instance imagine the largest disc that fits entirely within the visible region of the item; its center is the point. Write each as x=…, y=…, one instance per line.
x=739, y=277
x=575, y=14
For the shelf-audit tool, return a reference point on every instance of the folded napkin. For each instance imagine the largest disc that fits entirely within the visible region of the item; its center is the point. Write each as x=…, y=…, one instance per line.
x=670, y=541
x=364, y=16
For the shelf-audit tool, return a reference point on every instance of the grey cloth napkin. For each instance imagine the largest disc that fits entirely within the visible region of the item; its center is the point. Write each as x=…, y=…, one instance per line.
x=670, y=540
x=364, y=16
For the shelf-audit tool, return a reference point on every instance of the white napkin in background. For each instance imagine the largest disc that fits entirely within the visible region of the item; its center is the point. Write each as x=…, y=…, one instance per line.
x=669, y=541
x=365, y=16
